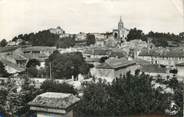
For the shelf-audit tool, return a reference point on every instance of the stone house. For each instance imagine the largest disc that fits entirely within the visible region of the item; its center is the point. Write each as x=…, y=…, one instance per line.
x=113, y=68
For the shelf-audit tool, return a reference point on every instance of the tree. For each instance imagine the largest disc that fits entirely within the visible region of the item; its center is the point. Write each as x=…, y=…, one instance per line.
x=16, y=96
x=42, y=38
x=31, y=67
x=33, y=63
x=161, y=39
x=90, y=39
x=3, y=94
x=27, y=93
x=32, y=71
x=160, y=42
x=65, y=42
x=174, y=71
x=127, y=95
x=64, y=66
x=178, y=97
x=3, y=43
x=53, y=86
x=103, y=59
x=95, y=101
x=3, y=72
x=136, y=34
x=181, y=35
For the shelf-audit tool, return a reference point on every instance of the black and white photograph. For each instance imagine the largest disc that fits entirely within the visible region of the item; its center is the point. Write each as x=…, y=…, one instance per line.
x=91, y=58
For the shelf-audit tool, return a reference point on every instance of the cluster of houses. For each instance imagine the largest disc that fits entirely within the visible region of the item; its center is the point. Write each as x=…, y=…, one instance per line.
x=172, y=58
x=108, y=62
x=109, y=58
x=15, y=58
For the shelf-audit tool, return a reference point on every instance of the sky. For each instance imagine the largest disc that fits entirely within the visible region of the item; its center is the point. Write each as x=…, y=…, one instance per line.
x=26, y=16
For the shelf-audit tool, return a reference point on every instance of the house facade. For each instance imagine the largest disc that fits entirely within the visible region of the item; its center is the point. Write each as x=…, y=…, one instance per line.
x=180, y=69
x=114, y=68
x=164, y=56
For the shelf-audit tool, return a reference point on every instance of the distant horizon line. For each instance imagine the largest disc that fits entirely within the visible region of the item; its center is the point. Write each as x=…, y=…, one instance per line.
x=69, y=32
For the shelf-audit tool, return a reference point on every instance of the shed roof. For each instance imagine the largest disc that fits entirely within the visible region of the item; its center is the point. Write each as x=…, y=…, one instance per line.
x=54, y=100
x=116, y=63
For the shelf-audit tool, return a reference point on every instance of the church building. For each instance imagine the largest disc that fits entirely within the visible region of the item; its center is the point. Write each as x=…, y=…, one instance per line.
x=121, y=33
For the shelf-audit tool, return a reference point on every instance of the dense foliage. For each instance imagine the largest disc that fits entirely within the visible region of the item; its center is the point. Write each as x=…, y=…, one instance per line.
x=15, y=96
x=157, y=38
x=66, y=42
x=42, y=38
x=3, y=72
x=16, y=93
x=90, y=39
x=3, y=43
x=64, y=66
x=127, y=95
x=178, y=88
x=33, y=63
x=54, y=86
x=31, y=68
x=163, y=39
x=136, y=34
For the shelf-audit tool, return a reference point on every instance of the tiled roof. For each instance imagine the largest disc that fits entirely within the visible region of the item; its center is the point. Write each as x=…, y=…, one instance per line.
x=153, y=68
x=18, y=57
x=117, y=52
x=163, y=52
x=54, y=100
x=97, y=51
x=8, y=48
x=13, y=65
x=141, y=62
x=116, y=63
x=40, y=56
x=104, y=66
x=180, y=64
x=39, y=48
